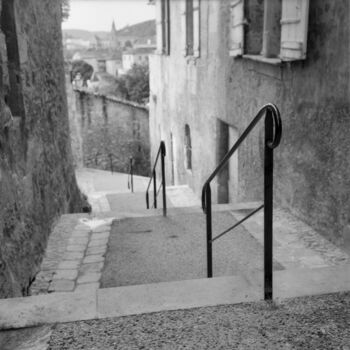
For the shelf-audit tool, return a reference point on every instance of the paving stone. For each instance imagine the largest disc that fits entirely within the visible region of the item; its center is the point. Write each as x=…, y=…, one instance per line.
x=78, y=240
x=93, y=267
x=98, y=243
x=69, y=264
x=93, y=259
x=104, y=228
x=96, y=250
x=81, y=227
x=89, y=277
x=76, y=248
x=65, y=275
x=99, y=235
x=61, y=286
x=73, y=256
x=77, y=234
x=85, y=287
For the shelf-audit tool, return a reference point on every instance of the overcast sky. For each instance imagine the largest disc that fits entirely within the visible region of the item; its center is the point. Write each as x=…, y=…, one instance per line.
x=99, y=14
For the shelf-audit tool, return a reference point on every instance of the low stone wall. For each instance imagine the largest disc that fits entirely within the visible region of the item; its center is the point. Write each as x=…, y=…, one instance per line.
x=112, y=131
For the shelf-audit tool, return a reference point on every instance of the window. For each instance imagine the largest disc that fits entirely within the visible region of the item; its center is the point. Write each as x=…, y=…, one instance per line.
x=188, y=148
x=163, y=26
x=273, y=30
x=191, y=27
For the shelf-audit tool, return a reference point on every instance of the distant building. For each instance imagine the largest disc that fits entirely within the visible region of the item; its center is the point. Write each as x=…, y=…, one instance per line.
x=138, y=55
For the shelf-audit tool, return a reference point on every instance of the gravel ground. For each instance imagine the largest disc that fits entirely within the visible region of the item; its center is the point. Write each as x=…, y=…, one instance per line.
x=157, y=249
x=319, y=322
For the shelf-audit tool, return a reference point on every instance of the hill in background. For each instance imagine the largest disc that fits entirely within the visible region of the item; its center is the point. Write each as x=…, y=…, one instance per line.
x=139, y=30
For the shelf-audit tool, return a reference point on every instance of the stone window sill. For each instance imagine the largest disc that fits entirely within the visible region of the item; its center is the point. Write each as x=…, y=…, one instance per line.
x=268, y=60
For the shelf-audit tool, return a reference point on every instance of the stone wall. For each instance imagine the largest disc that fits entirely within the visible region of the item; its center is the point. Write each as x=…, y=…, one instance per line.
x=113, y=131
x=37, y=181
x=312, y=166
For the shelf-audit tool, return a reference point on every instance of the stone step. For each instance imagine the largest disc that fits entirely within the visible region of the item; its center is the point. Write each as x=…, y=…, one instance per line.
x=139, y=299
x=157, y=249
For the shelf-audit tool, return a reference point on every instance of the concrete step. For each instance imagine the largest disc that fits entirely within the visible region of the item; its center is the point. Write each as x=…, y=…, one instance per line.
x=158, y=249
x=139, y=299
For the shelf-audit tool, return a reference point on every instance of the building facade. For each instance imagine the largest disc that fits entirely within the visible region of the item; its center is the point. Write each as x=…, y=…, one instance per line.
x=218, y=62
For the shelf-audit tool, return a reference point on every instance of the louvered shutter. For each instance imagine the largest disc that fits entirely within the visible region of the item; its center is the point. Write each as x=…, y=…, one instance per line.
x=159, y=25
x=237, y=28
x=184, y=28
x=294, y=24
x=196, y=28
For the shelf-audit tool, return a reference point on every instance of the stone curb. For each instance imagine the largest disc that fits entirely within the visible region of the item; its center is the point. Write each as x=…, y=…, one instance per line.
x=92, y=303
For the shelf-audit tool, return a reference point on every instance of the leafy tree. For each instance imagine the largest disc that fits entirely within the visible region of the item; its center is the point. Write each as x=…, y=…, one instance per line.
x=65, y=9
x=83, y=68
x=134, y=85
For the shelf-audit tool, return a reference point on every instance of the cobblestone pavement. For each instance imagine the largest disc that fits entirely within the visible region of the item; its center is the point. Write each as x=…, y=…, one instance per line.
x=74, y=260
x=296, y=245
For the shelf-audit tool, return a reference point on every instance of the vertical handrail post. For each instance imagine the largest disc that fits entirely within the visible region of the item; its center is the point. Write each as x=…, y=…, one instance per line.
x=209, y=231
x=131, y=175
x=154, y=189
x=147, y=200
x=163, y=179
x=268, y=208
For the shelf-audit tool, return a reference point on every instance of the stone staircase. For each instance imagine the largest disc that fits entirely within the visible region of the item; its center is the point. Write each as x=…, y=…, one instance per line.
x=123, y=259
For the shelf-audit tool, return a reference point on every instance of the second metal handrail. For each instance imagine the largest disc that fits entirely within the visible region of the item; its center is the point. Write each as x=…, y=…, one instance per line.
x=131, y=175
x=273, y=134
x=161, y=153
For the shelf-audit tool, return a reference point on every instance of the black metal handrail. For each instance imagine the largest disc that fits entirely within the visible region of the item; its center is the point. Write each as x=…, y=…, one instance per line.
x=161, y=153
x=273, y=134
x=131, y=175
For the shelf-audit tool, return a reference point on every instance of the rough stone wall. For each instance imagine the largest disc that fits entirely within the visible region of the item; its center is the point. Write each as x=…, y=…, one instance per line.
x=37, y=181
x=112, y=131
x=312, y=163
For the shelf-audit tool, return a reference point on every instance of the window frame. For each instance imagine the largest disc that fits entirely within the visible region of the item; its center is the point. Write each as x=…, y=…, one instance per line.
x=280, y=41
x=191, y=27
x=163, y=27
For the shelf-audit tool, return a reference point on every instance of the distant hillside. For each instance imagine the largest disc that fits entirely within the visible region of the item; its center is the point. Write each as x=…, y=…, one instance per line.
x=139, y=30
x=143, y=29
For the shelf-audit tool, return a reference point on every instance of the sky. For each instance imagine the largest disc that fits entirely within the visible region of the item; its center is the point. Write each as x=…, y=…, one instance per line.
x=97, y=15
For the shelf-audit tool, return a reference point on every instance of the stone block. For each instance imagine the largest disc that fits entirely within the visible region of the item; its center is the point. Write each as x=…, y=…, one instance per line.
x=99, y=235
x=103, y=228
x=69, y=264
x=65, y=275
x=76, y=248
x=86, y=287
x=78, y=240
x=73, y=256
x=61, y=286
x=98, y=242
x=93, y=259
x=96, y=250
x=89, y=277
x=92, y=267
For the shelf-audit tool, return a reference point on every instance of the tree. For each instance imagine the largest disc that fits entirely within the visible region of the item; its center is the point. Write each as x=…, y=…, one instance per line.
x=65, y=6
x=83, y=68
x=135, y=84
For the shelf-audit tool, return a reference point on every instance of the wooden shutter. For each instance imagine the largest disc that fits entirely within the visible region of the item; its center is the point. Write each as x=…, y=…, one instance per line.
x=159, y=26
x=166, y=28
x=184, y=27
x=237, y=28
x=294, y=24
x=196, y=28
